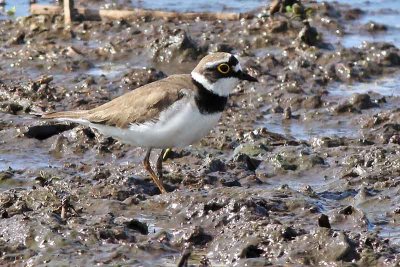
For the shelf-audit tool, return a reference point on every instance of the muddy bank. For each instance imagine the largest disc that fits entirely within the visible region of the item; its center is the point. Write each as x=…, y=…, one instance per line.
x=303, y=169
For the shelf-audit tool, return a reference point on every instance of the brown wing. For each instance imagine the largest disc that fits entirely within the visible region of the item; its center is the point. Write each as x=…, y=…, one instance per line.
x=142, y=104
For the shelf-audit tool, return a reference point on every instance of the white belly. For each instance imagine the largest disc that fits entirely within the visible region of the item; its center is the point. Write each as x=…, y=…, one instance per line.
x=178, y=126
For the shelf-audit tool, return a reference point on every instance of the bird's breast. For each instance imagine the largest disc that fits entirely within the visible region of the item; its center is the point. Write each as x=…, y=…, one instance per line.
x=180, y=125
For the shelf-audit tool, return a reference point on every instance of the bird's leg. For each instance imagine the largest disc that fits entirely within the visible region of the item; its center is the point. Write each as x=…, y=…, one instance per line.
x=148, y=168
x=159, y=164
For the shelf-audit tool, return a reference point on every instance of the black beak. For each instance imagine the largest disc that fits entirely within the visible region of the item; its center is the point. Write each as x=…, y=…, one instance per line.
x=244, y=76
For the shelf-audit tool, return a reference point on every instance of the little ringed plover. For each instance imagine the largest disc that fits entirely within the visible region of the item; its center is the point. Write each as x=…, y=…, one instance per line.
x=173, y=112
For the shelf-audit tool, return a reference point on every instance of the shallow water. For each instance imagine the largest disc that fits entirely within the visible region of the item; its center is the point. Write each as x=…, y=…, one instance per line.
x=21, y=7
x=21, y=160
x=386, y=86
x=304, y=130
x=379, y=11
x=110, y=70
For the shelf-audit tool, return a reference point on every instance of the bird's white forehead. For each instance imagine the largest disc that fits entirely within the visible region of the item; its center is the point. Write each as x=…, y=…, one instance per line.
x=237, y=67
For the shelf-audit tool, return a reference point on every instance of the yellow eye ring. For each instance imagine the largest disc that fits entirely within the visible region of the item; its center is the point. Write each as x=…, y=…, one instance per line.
x=223, y=68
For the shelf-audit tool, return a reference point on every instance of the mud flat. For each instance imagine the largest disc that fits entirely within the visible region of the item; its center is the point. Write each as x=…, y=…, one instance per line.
x=303, y=169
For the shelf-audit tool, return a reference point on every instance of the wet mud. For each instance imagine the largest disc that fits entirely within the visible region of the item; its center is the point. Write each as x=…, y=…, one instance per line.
x=303, y=168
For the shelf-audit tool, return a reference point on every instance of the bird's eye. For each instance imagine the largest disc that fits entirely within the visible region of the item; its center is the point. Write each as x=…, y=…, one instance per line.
x=223, y=68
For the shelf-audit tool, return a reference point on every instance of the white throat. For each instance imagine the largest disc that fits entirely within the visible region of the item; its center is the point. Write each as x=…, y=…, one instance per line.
x=222, y=87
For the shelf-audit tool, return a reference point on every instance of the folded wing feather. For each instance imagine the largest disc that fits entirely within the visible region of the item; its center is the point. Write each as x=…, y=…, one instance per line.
x=138, y=106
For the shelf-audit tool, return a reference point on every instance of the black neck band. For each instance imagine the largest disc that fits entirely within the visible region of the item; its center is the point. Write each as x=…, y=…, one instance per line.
x=207, y=101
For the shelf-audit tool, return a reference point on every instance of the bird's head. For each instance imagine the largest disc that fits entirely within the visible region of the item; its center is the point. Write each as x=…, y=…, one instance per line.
x=220, y=73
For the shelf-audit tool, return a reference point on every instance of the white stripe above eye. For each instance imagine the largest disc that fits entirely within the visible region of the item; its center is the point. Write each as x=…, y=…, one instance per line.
x=215, y=63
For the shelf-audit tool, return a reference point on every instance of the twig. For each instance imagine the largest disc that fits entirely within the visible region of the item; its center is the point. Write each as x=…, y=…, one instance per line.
x=68, y=11
x=65, y=206
x=100, y=14
x=183, y=262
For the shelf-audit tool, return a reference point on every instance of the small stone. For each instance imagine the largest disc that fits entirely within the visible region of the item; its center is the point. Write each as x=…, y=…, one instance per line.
x=361, y=101
x=347, y=211
x=280, y=5
x=73, y=52
x=375, y=27
x=309, y=35
x=106, y=234
x=323, y=221
x=343, y=107
x=132, y=200
x=138, y=226
x=326, y=142
x=45, y=79
x=289, y=233
x=278, y=26
x=287, y=114
x=197, y=236
x=251, y=164
x=394, y=139
x=249, y=150
x=312, y=102
x=176, y=44
x=214, y=165
x=353, y=14
x=4, y=214
x=18, y=39
x=221, y=48
x=12, y=108
x=277, y=109
x=230, y=182
x=5, y=175
x=393, y=58
x=120, y=234
x=139, y=77
x=251, y=251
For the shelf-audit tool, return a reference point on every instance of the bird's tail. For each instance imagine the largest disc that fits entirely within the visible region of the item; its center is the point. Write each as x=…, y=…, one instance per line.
x=68, y=115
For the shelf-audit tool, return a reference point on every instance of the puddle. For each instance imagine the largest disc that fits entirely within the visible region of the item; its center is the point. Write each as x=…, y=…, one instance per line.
x=22, y=160
x=25, y=161
x=150, y=221
x=386, y=86
x=305, y=130
x=341, y=127
x=358, y=40
x=263, y=52
x=383, y=12
x=392, y=233
x=110, y=70
x=20, y=8
x=30, y=155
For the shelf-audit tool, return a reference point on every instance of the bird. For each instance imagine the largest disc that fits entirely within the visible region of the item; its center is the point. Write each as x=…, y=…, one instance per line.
x=173, y=112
